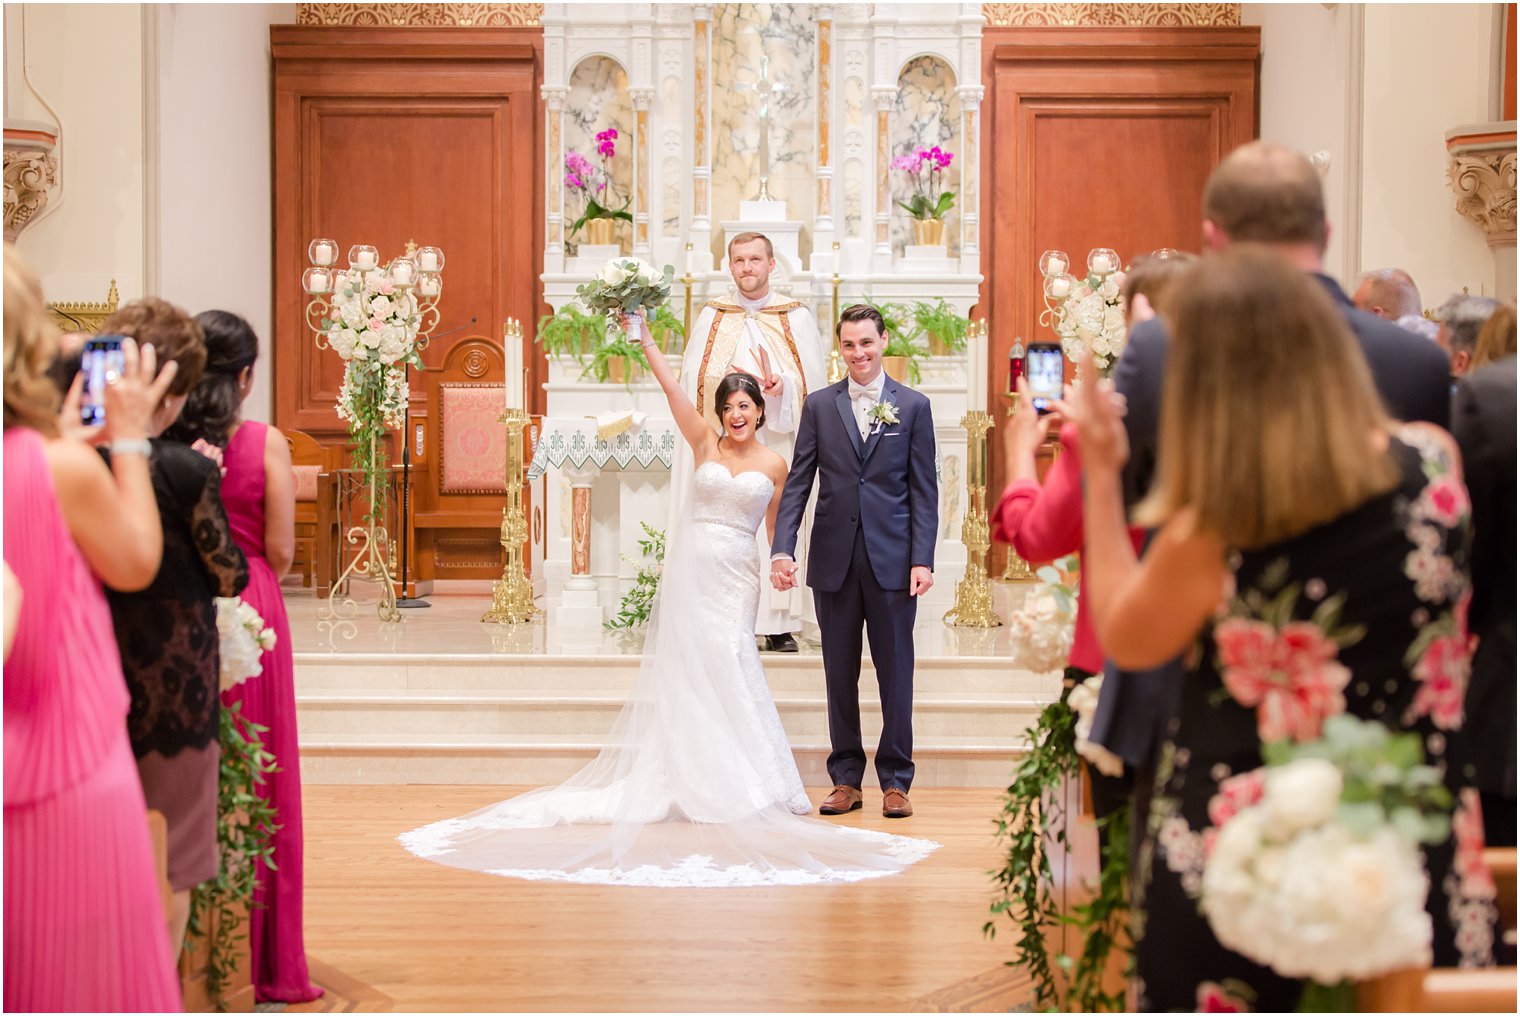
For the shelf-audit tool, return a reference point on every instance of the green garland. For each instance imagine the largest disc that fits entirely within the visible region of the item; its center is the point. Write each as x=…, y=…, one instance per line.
x=245, y=836
x=634, y=609
x=1025, y=882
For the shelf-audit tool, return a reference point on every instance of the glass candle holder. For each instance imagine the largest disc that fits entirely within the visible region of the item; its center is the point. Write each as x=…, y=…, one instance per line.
x=1059, y=287
x=317, y=280
x=363, y=257
x=1054, y=262
x=323, y=252
x=429, y=285
x=429, y=259
x=403, y=272
x=1102, y=261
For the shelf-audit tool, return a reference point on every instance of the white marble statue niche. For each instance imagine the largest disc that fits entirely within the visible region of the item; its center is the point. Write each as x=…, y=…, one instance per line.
x=927, y=113
x=598, y=99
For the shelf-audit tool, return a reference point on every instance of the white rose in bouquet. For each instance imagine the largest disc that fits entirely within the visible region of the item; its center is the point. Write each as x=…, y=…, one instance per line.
x=1304, y=793
x=243, y=640
x=613, y=272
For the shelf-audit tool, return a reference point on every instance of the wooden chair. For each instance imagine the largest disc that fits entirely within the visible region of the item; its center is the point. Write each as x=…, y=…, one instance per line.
x=316, y=522
x=457, y=485
x=1451, y=990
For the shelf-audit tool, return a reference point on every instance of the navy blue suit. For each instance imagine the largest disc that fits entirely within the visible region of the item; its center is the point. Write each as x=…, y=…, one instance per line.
x=876, y=518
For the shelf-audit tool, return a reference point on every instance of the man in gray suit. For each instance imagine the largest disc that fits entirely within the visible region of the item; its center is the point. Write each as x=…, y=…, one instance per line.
x=1267, y=194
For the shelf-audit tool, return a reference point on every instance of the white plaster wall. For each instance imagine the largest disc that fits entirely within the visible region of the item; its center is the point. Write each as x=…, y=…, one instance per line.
x=1427, y=69
x=1310, y=85
x=214, y=243
x=86, y=60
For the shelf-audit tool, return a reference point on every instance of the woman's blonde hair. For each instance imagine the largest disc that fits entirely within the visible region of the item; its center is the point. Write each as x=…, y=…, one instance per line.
x=1268, y=411
x=31, y=400
x=1496, y=339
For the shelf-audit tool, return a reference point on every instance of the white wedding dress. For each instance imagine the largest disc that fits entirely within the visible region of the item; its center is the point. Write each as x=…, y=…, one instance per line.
x=697, y=785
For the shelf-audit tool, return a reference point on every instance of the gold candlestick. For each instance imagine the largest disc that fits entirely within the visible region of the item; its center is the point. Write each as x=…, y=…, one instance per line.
x=512, y=596
x=687, y=280
x=973, y=594
x=1015, y=568
x=836, y=365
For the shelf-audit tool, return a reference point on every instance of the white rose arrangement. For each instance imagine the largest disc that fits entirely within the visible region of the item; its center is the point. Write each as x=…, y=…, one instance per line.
x=1093, y=314
x=243, y=640
x=1314, y=866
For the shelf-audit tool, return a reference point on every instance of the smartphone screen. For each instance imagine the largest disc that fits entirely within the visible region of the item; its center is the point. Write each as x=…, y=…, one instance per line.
x=1045, y=367
x=102, y=362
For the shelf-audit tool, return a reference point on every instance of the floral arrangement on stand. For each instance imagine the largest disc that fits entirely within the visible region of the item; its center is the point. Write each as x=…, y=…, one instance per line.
x=1034, y=820
x=594, y=184
x=931, y=199
x=1087, y=311
x=1313, y=862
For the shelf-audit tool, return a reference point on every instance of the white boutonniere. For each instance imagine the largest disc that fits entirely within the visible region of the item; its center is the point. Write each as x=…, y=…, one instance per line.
x=884, y=413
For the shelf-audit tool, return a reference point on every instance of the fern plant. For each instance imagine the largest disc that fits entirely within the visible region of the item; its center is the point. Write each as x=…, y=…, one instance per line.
x=943, y=325
x=572, y=330
x=633, y=611
x=666, y=329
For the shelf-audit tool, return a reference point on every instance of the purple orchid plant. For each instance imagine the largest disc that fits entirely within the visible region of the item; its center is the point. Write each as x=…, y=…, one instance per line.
x=594, y=182
x=926, y=166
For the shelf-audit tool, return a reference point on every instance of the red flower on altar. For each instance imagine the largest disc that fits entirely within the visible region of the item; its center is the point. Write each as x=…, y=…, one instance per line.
x=1290, y=677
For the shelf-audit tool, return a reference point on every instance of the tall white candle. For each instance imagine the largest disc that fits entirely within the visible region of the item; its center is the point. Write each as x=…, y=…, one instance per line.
x=324, y=254
x=1060, y=289
x=364, y=260
x=427, y=261
x=513, y=350
x=976, y=365
x=401, y=273
x=1103, y=264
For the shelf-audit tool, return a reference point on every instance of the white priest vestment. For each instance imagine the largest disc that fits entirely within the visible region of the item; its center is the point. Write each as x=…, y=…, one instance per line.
x=727, y=335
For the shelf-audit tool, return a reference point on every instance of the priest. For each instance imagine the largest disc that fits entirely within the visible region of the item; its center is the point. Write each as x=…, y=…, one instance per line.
x=776, y=339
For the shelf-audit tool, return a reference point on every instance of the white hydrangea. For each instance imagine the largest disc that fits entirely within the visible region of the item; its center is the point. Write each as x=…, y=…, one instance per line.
x=243, y=640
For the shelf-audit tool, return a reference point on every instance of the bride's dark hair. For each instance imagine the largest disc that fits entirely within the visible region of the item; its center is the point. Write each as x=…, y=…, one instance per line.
x=214, y=403
x=739, y=382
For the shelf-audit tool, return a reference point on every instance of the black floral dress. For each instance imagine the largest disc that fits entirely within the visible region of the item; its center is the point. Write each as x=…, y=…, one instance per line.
x=170, y=654
x=1364, y=615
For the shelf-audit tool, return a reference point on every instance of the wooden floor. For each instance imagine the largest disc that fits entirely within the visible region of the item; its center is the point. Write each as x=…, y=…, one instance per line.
x=431, y=938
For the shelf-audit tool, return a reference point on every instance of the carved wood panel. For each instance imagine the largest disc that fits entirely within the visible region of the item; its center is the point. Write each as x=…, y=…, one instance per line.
x=1098, y=137
x=385, y=135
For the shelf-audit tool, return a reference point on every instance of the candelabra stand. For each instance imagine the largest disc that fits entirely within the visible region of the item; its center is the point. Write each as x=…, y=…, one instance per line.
x=415, y=273
x=973, y=594
x=687, y=280
x=512, y=599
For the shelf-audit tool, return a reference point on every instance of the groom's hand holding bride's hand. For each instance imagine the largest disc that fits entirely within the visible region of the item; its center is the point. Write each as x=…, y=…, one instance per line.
x=920, y=579
x=783, y=574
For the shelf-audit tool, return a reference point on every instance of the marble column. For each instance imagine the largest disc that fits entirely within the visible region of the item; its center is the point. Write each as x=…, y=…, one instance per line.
x=554, y=161
x=823, y=258
x=580, y=607
x=642, y=171
x=701, y=211
x=971, y=175
x=881, y=249
x=1482, y=173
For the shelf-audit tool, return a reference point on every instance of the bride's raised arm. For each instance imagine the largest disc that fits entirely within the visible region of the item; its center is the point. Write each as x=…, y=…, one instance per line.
x=695, y=429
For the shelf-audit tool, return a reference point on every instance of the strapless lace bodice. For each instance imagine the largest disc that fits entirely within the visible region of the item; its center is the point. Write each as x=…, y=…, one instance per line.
x=736, y=501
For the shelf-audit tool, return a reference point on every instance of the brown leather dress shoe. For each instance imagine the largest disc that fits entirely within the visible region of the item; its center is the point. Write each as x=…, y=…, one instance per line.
x=895, y=804
x=841, y=800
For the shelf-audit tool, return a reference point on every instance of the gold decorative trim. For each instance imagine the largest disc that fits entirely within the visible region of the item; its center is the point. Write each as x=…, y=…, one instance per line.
x=85, y=317
x=1111, y=15
x=422, y=15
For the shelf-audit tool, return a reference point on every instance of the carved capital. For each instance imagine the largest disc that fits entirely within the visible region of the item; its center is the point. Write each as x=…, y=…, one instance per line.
x=31, y=173
x=1482, y=174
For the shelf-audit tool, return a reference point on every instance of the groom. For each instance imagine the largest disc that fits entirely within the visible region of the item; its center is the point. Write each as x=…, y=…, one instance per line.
x=870, y=442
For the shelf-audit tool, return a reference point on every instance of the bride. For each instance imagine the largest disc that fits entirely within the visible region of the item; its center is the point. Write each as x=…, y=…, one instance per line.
x=697, y=785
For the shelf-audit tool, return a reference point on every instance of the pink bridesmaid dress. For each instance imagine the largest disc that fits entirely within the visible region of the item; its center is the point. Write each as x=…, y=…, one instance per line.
x=279, y=944
x=85, y=928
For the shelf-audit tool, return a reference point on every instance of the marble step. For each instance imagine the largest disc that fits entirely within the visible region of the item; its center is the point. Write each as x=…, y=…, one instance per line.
x=523, y=759
x=383, y=673
x=404, y=715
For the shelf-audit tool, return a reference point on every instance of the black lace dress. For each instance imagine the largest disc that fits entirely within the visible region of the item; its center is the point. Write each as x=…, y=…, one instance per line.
x=170, y=655
x=1364, y=615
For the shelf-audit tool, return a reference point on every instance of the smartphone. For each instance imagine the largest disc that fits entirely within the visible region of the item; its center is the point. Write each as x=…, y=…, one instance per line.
x=1045, y=369
x=102, y=363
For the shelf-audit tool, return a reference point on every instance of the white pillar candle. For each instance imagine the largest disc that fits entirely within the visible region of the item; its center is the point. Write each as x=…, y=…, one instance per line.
x=427, y=261
x=324, y=254
x=1060, y=289
x=401, y=273
x=365, y=260
x=428, y=286
x=512, y=347
x=319, y=282
x=1057, y=266
x=976, y=362
x=1102, y=264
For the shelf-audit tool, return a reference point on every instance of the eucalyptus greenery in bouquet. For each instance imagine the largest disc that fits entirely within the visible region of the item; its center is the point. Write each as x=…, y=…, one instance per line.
x=626, y=286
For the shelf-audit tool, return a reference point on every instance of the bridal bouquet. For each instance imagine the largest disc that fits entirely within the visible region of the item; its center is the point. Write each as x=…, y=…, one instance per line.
x=1090, y=312
x=1043, y=627
x=243, y=640
x=1313, y=862
x=626, y=286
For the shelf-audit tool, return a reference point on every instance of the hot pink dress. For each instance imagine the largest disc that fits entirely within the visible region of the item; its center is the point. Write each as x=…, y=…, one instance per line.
x=279, y=944
x=85, y=928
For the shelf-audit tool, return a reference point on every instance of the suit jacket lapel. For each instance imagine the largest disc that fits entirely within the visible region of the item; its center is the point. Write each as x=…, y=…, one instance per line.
x=847, y=414
x=888, y=395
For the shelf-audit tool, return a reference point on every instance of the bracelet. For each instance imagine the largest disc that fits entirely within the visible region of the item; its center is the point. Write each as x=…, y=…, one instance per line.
x=133, y=446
